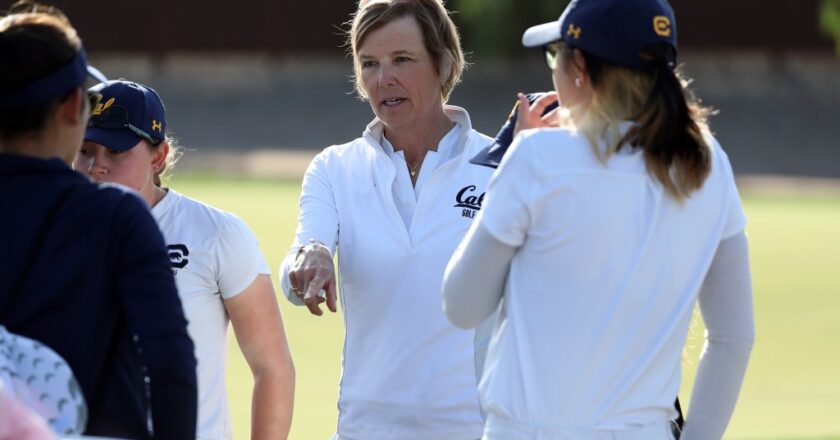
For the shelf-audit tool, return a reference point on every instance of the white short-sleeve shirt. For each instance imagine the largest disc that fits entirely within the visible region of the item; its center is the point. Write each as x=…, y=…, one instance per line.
x=215, y=256
x=600, y=293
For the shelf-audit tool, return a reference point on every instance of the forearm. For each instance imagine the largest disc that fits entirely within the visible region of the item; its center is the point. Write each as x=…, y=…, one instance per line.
x=259, y=330
x=272, y=403
x=318, y=220
x=716, y=387
x=726, y=305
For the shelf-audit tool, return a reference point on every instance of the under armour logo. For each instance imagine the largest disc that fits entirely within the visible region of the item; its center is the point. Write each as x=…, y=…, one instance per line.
x=574, y=31
x=156, y=125
x=178, y=255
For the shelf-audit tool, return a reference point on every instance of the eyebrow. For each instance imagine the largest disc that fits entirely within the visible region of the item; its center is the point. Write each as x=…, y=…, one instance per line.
x=363, y=56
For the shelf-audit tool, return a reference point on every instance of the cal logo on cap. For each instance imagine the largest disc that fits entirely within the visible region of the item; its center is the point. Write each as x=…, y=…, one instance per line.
x=102, y=106
x=662, y=26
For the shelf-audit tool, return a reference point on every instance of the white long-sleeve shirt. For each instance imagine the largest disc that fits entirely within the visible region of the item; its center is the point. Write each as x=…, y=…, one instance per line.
x=604, y=271
x=408, y=373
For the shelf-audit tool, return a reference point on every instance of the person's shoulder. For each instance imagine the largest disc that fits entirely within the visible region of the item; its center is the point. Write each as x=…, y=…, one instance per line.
x=476, y=141
x=133, y=226
x=719, y=158
x=475, y=135
x=355, y=147
x=201, y=215
x=552, y=136
x=715, y=148
x=118, y=195
x=561, y=143
x=339, y=155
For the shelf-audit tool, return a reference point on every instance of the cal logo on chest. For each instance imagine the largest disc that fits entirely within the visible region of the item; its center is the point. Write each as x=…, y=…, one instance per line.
x=469, y=200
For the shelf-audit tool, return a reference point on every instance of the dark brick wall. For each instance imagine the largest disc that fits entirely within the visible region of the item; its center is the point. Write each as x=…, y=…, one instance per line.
x=282, y=27
x=160, y=26
x=750, y=24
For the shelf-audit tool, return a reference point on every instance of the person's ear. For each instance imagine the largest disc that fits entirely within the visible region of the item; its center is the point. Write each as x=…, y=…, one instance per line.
x=578, y=65
x=445, y=70
x=159, y=155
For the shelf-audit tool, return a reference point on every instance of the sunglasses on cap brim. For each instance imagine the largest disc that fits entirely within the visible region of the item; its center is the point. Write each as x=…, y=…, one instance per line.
x=552, y=52
x=116, y=118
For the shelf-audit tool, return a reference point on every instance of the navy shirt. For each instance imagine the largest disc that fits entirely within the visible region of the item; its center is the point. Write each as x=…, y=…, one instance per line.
x=83, y=269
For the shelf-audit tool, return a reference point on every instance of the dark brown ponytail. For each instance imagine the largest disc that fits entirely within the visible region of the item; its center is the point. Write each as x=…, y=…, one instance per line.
x=670, y=128
x=669, y=123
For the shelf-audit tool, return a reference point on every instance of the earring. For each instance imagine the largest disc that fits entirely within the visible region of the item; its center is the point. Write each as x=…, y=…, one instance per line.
x=577, y=82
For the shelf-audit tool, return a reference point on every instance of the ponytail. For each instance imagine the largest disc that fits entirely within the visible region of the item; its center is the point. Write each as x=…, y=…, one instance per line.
x=669, y=123
x=670, y=128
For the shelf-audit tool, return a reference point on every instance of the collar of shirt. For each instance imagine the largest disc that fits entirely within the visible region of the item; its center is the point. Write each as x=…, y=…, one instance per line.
x=166, y=203
x=404, y=193
x=374, y=130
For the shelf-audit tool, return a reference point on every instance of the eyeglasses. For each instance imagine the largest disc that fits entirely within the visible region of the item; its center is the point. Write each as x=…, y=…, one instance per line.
x=116, y=118
x=552, y=50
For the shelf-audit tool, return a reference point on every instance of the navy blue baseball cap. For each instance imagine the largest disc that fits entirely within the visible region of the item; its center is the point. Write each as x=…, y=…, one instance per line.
x=629, y=33
x=491, y=156
x=127, y=113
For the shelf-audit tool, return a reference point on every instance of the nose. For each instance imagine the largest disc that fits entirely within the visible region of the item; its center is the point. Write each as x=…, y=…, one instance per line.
x=387, y=75
x=96, y=166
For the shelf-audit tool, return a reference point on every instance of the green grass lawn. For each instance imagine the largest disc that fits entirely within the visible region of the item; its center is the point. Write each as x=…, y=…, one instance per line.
x=792, y=389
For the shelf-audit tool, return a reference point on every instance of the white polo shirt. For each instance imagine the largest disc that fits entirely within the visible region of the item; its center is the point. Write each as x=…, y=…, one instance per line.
x=215, y=256
x=408, y=373
x=601, y=290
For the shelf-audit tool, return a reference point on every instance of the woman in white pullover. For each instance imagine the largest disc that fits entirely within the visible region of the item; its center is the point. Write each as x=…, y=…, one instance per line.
x=394, y=204
x=598, y=237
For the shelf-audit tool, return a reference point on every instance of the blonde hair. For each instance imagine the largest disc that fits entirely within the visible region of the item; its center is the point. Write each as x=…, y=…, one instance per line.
x=440, y=36
x=669, y=124
x=168, y=168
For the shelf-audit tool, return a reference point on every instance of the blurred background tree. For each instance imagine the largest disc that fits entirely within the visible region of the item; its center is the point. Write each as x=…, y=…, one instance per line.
x=830, y=21
x=493, y=28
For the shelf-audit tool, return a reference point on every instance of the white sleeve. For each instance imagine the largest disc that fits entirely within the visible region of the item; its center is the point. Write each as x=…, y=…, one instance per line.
x=505, y=212
x=318, y=218
x=238, y=258
x=468, y=300
x=736, y=220
x=727, y=308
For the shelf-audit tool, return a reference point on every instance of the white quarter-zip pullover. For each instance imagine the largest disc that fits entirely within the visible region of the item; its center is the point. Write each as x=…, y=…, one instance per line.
x=408, y=373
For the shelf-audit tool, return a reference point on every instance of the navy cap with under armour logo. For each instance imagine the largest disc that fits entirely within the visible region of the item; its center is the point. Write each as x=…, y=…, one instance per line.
x=630, y=33
x=127, y=113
